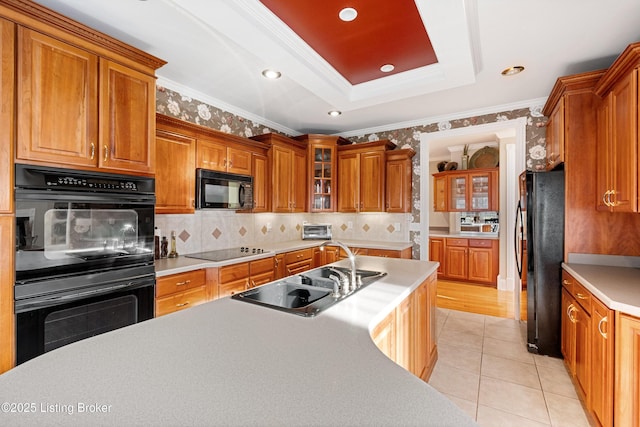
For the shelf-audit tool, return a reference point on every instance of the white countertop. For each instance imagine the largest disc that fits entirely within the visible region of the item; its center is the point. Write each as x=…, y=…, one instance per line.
x=233, y=363
x=617, y=287
x=182, y=264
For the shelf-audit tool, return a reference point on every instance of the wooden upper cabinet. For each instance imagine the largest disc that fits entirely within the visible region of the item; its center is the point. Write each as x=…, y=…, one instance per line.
x=175, y=174
x=288, y=166
x=77, y=108
x=555, y=136
x=322, y=167
x=472, y=190
x=261, y=182
x=220, y=156
x=618, y=144
x=127, y=119
x=398, y=182
x=362, y=176
x=7, y=102
x=57, y=101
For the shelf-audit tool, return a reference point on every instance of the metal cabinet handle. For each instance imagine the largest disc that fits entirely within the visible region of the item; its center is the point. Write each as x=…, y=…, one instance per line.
x=581, y=296
x=614, y=203
x=566, y=282
x=183, y=304
x=106, y=153
x=572, y=309
x=186, y=282
x=605, y=319
x=604, y=198
x=93, y=151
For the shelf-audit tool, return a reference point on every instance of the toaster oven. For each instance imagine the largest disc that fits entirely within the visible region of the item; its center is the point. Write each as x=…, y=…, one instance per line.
x=316, y=231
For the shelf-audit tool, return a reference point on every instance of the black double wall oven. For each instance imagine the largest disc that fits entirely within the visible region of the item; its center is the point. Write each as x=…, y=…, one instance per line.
x=84, y=255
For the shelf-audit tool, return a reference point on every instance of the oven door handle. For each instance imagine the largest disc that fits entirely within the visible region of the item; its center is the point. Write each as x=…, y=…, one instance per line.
x=85, y=196
x=37, y=303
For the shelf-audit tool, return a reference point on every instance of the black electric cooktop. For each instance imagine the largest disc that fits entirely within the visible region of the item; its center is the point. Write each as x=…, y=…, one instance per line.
x=226, y=254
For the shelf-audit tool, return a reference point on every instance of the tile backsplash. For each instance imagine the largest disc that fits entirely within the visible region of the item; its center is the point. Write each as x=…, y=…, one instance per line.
x=212, y=229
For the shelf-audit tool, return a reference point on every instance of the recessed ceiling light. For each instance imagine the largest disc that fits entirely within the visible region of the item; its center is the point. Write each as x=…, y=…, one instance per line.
x=512, y=70
x=334, y=113
x=348, y=14
x=271, y=74
x=387, y=68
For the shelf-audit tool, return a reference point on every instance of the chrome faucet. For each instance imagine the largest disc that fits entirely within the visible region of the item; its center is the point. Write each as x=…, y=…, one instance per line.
x=352, y=258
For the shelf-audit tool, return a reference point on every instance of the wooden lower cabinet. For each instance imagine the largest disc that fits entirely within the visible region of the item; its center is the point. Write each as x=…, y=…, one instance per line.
x=466, y=260
x=407, y=335
x=179, y=291
x=297, y=262
x=588, y=341
x=235, y=278
x=7, y=316
x=627, y=371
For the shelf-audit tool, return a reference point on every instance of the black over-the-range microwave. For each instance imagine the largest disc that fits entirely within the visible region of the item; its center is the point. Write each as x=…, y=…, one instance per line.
x=220, y=190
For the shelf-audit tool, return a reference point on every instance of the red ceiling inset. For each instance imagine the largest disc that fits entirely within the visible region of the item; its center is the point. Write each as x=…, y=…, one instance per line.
x=384, y=32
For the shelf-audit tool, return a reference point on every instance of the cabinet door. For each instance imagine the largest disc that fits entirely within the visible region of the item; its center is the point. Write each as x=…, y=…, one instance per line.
x=372, y=179
x=583, y=351
x=436, y=253
x=601, y=395
x=398, y=186
x=457, y=185
x=280, y=267
x=57, y=110
x=568, y=340
x=322, y=171
x=348, y=182
x=627, y=371
x=421, y=321
x=440, y=194
x=555, y=136
x=127, y=119
x=456, y=262
x=7, y=97
x=604, y=161
x=233, y=287
x=211, y=155
x=384, y=335
x=299, y=182
x=7, y=317
x=238, y=161
x=481, y=194
x=261, y=279
x=624, y=106
x=405, y=334
x=260, y=183
x=282, y=179
x=480, y=265
x=175, y=175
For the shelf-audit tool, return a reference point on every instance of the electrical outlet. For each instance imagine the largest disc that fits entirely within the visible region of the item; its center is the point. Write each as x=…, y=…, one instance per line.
x=396, y=226
x=349, y=225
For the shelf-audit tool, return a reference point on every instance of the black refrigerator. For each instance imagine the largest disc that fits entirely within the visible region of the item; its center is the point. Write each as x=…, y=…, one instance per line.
x=542, y=207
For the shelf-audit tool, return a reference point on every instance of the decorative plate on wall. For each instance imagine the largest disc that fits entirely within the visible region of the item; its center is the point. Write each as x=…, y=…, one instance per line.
x=487, y=157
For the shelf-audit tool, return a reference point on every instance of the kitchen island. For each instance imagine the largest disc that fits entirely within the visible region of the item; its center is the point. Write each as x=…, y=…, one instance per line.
x=231, y=363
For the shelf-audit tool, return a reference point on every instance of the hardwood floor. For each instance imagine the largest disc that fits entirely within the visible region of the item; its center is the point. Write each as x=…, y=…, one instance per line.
x=479, y=299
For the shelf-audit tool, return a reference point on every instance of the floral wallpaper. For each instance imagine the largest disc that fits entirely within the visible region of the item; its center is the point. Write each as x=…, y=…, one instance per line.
x=174, y=104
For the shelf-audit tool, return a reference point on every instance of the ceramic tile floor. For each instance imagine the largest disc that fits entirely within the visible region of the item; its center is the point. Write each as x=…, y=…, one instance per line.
x=484, y=368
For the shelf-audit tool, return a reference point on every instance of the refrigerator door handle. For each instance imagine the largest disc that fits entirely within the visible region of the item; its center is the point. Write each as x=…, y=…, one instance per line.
x=518, y=237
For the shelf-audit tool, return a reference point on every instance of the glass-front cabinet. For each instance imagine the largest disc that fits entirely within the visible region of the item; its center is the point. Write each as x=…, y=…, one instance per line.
x=471, y=190
x=322, y=155
x=322, y=179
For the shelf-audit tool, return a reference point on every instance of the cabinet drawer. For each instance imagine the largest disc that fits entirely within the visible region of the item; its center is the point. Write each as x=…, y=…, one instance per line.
x=387, y=253
x=179, y=282
x=261, y=266
x=230, y=288
x=568, y=282
x=457, y=242
x=181, y=300
x=261, y=279
x=299, y=267
x=582, y=296
x=480, y=243
x=231, y=273
x=297, y=256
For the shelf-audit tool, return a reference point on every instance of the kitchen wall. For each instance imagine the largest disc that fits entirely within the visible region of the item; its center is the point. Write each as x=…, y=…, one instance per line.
x=174, y=104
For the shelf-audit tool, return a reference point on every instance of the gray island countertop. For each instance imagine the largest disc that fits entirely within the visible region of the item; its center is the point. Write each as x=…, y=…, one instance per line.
x=227, y=362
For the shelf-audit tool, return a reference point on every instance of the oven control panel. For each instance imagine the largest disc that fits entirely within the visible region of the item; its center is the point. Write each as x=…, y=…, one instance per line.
x=91, y=183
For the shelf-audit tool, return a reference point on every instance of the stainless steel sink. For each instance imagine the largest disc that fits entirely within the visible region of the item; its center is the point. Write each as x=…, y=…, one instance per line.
x=304, y=294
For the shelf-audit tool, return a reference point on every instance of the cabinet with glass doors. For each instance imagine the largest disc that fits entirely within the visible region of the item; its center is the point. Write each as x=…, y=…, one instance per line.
x=321, y=152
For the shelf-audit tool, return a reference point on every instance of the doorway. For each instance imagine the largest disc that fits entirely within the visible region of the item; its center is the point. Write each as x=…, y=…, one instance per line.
x=511, y=138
